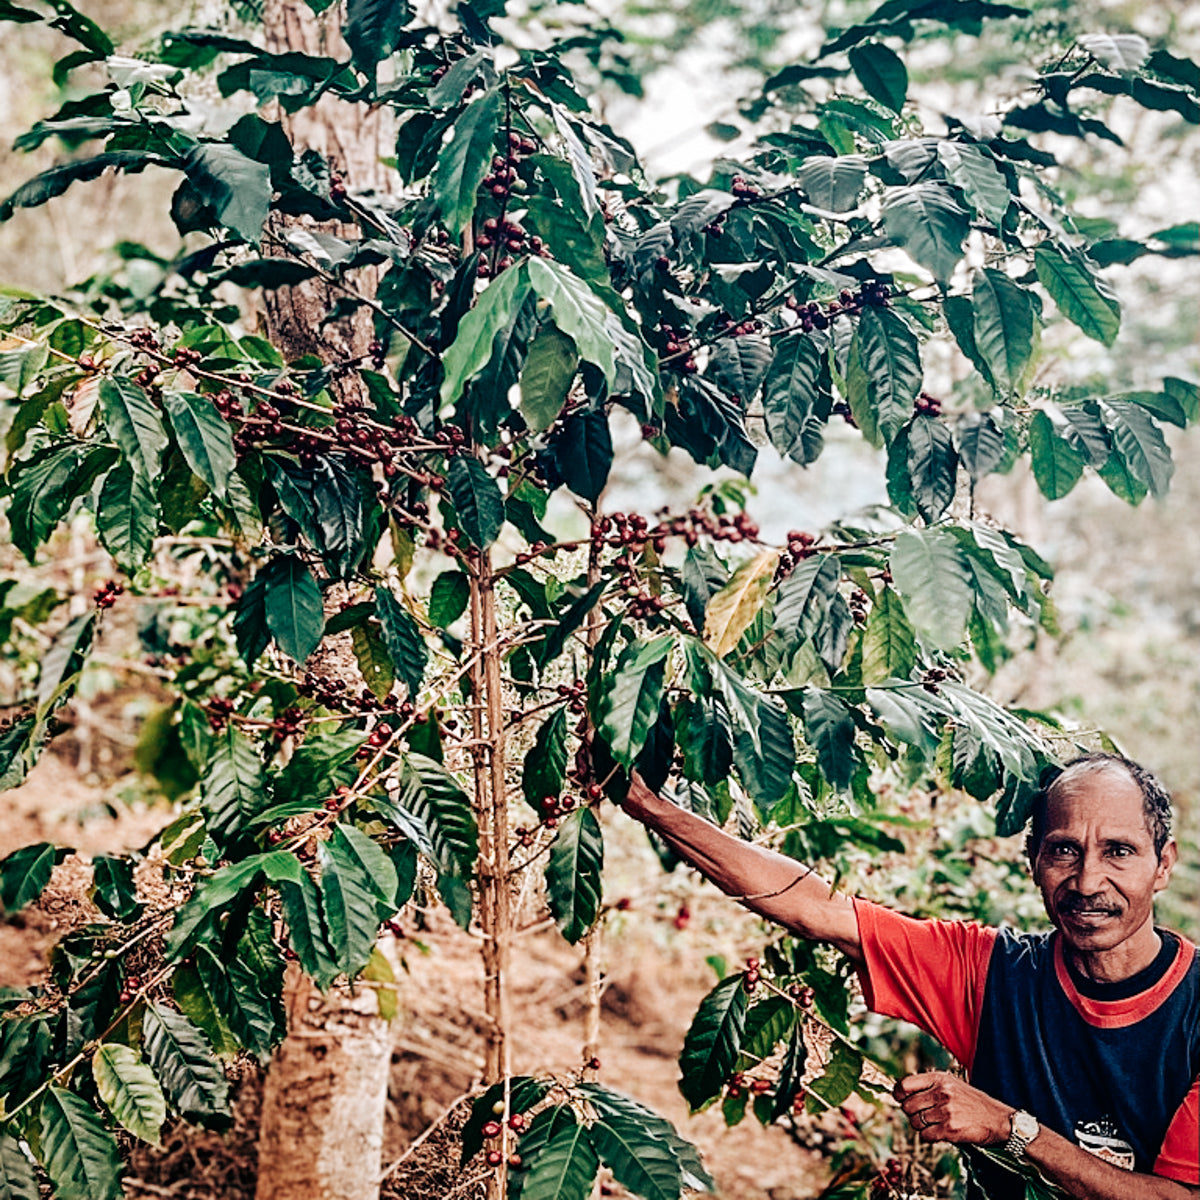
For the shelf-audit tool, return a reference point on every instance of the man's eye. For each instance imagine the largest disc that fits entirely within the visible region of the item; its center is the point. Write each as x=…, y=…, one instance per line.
x=1120, y=851
x=1062, y=851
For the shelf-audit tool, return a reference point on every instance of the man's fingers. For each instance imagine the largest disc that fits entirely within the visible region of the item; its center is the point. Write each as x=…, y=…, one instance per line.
x=912, y=1085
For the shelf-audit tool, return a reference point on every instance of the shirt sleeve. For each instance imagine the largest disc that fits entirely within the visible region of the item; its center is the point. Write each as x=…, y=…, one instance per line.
x=931, y=973
x=1179, y=1158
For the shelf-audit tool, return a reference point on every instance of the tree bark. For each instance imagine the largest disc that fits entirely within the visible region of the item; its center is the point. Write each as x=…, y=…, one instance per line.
x=325, y=1096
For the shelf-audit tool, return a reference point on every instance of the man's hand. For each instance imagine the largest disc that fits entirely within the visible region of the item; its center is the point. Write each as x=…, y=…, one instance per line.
x=943, y=1108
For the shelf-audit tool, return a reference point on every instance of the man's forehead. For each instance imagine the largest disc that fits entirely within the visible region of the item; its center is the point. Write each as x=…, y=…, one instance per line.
x=1101, y=792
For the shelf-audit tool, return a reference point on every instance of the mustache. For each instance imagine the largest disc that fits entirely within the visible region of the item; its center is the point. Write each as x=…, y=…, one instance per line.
x=1072, y=902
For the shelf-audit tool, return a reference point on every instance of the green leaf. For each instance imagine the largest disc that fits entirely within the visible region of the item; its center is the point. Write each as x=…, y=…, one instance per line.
x=550, y=365
x=21, y=365
x=703, y=575
x=431, y=794
x=629, y=706
x=404, y=641
x=201, y=989
x=134, y=422
x=981, y=444
x=767, y=1023
x=737, y=365
x=791, y=391
x=713, y=1041
x=565, y=1167
x=637, y=1157
x=805, y=595
x=113, y=887
x=16, y=752
x=129, y=1090
x=545, y=765
x=1140, y=444
x=63, y=661
x=932, y=465
x=48, y=184
x=250, y=621
x=930, y=224
x=215, y=894
x=579, y=313
x=833, y=183
x=449, y=596
x=974, y=170
x=374, y=662
x=731, y=610
x=465, y=160
x=307, y=935
x=47, y=485
x=573, y=874
x=472, y=348
x=191, y=1077
x=1118, y=51
x=891, y=358
x=478, y=501
x=1057, y=465
x=373, y=29
x=292, y=603
x=17, y=1181
x=358, y=882
x=25, y=872
x=881, y=72
x=931, y=576
x=233, y=787
x=235, y=187
x=204, y=438
x=889, y=644
x=1081, y=295
x=338, y=509
x=79, y=1154
x=837, y=1081
x=524, y=1093
x=1004, y=327
x=569, y=620
x=127, y=517
x=584, y=451
x=829, y=729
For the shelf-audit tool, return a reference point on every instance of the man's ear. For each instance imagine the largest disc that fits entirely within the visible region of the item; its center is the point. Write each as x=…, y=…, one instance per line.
x=1166, y=864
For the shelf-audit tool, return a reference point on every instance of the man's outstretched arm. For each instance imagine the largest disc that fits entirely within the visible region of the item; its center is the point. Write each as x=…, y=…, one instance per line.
x=770, y=884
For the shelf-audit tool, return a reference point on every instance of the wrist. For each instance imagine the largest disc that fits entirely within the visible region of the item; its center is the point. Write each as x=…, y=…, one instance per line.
x=1023, y=1129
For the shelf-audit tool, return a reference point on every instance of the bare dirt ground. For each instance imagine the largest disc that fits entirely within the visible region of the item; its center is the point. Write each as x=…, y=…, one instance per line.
x=655, y=975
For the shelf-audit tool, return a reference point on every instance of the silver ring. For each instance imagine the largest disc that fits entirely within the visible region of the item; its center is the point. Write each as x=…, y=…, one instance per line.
x=924, y=1118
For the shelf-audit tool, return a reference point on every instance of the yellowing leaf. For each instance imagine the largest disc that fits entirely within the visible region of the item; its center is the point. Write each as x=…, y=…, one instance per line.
x=731, y=610
x=81, y=407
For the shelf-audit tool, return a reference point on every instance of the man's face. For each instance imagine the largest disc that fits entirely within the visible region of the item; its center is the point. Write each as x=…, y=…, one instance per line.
x=1096, y=866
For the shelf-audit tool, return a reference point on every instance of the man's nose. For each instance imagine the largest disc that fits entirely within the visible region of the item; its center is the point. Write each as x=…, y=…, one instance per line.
x=1089, y=875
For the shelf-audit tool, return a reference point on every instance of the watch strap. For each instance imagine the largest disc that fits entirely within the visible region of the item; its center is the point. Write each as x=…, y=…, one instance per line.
x=1024, y=1128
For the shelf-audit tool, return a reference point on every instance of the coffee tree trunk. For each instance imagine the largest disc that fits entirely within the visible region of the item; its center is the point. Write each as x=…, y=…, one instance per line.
x=326, y=1090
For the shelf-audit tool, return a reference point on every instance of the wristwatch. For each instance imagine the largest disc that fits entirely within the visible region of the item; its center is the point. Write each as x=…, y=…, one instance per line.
x=1025, y=1128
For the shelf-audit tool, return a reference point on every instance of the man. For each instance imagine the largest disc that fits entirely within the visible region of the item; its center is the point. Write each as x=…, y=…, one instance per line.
x=1082, y=1045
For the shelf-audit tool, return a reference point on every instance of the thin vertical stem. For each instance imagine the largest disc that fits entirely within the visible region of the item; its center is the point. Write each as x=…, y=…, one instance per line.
x=593, y=943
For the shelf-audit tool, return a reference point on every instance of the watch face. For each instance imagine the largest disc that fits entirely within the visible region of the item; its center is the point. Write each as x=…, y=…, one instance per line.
x=1025, y=1126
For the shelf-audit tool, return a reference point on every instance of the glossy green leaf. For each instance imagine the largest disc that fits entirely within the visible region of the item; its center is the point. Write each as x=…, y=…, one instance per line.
x=836, y=1083
x=373, y=28
x=183, y=1062
x=292, y=605
x=713, y=1041
x=565, y=1167
x=113, y=887
x=337, y=507
x=703, y=575
x=805, y=595
x=478, y=501
x=981, y=445
x=44, y=487
x=889, y=644
x=524, y=1093
x=357, y=880
x=1140, y=444
x=127, y=517
x=1057, y=465
x=1118, y=51
x=374, y=661
x=833, y=183
x=21, y=365
x=449, y=595
x=404, y=641
x=215, y=894
x=573, y=874
x=134, y=422
x=17, y=1181
x=204, y=438
x=932, y=466
x=79, y=1154
x=829, y=729
x=53, y=182
x=25, y=872
x=882, y=73
x=584, y=450
x=570, y=618
x=768, y=1022
x=791, y=1074
x=307, y=934
x=1082, y=296
x=1004, y=326
x=201, y=990
x=466, y=159
x=931, y=577
x=974, y=170
x=63, y=661
x=431, y=794
x=629, y=706
x=791, y=390
x=580, y=314
x=129, y=1090
x=545, y=766
x=637, y=1157
x=233, y=787
x=930, y=224
x=763, y=749
x=550, y=365
x=891, y=358
x=234, y=186
x=738, y=364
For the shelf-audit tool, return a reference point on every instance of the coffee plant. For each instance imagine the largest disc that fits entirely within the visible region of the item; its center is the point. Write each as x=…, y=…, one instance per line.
x=395, y=671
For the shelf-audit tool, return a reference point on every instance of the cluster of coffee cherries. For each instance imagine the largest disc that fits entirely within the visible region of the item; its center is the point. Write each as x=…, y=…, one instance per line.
x=287, y=724
x=928, y=405
x=678, y=344
x=751, y=975
x=505, y=238
x=743, y=189
x=219, y=709
x=627, y=531
x=133, y=981
x=890, y=1180
x=726, y=324
x=932, y=678
x=739, y=1085
x=872, y=294
x=493, y=1129
x=799, y=547
x=105, y=596
x=502, y=180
